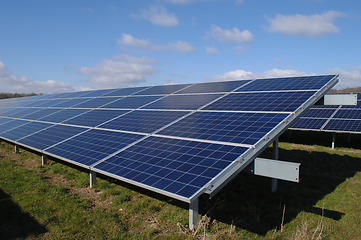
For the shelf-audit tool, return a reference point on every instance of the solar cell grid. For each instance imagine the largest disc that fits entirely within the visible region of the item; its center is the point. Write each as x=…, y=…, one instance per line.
x=11, y=111
x=183, y=102
x=310, y=123
x=51, y=103
x=50, y=136
x=293, y=83
x=180, y=167
x=143, y=121
x=71, y=102
x=242, y=128
x=24, y=130
x=131, y=102
x=226, y=86
x=164, y=89
x=24, y=112
x=319, y=113
x=263, y=101
x=96, y=102
x=125, y=91
x=92, y=146
x=63, y=115
x=95, y=117
x=98, y=93
x=348, y=114
x=343, y=125
x=36, y=103
x=40, y=113
x=11, y=125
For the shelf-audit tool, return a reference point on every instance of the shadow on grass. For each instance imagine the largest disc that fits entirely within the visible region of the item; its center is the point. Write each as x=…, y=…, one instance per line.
x=247, y=201
x=14, y=223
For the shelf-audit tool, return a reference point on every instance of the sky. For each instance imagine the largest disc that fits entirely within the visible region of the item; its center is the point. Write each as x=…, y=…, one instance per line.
x=63, y=46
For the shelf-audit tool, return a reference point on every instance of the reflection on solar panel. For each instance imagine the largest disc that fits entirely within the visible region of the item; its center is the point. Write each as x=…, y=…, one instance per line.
x=331, y=118
x=178, y=140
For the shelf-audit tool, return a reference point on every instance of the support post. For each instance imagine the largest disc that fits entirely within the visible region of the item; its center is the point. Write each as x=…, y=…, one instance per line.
x=16, y=148
x=193, y=214
x=44, y=159
x=275, y=157
x=93, y=178
x=333, y=140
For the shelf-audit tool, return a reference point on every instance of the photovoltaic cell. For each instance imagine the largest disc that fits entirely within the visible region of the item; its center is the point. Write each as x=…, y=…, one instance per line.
x=310, y=123
x=4, y=120
x=263, y=101
x=50, y=136
x=24, y=112
x=51, y=102
x=12, y=111
x=98, y=93
x=164, y=89
x=72, y=102
x=96, y=102
x=183, y=102
x=179, y=167
x=243, y=128
x=143, y=121
x=125, y=91
x=348, y=114
x=95, y=117
x=343, y=125
x=36, y=103
x=24, y=130
x=319, y=113
x=41, y=113
x=11, y=125
x=290, y=83
x=63, y=115
x=132, y=102
x=226, y=86
x=92, y=146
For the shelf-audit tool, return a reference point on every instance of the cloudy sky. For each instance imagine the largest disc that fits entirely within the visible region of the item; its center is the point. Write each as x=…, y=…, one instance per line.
x=59, y=46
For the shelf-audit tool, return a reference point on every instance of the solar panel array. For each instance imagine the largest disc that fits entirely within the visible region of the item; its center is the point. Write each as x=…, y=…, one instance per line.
x=177, y=140
x=332, y=118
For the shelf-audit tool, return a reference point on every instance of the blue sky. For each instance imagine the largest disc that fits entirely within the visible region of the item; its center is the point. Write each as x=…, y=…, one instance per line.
x=61, y=46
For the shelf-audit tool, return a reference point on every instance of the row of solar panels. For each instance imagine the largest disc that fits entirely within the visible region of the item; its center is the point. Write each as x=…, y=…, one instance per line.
x=331, y=118
x=174, y=144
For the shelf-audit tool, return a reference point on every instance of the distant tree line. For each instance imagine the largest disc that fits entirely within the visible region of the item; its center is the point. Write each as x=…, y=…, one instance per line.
x=16, y=95
x=346, y=90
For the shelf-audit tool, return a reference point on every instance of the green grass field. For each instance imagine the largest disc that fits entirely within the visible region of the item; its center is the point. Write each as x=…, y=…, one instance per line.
x=55, y=201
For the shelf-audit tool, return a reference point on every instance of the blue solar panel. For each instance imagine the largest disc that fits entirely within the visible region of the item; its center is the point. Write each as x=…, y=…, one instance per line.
x=143, y=121
x=36, y=103
x=242, y=128
x=348, y=114
x=11, y=111
x=41, y=113
x=5, y=120
x=319, y=113
x=77, y=94
x=226, y=86
x=71, y=102
x=96, y=102
x=12, y=124
x=24, y=130
x=63, y=115
x=24, y=112
x=92, y=146
x=131, y=102
x=309, y=123
x=343, y=125
x=95, y=117
x=50, y=136
x=290, y=83
x=125, y=91
x=165, y=89
x=179, y=167
x=98, y=93
x=183, y=102
x=51, y=102
x=263, y=101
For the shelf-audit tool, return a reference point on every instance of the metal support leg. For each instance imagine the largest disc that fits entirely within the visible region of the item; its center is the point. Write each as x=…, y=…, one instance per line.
x=333, y=140
x=44, y=159
x=275, y=156
x=16, y=148
x=193, y=214
x=93, y=178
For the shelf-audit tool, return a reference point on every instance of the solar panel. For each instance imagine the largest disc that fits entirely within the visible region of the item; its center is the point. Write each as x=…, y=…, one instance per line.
x=177, y=140
x=337, y=118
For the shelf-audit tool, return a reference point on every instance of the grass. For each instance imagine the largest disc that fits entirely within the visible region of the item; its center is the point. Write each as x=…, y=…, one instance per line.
x=55, y=201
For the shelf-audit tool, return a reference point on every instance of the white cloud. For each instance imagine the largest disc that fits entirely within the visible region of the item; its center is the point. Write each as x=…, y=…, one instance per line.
x=347, y=78
x=231, y=36
x=239, y=1
x=238, y=49
x=169, y=81
x=121, y=71
x=24, y=85
x=241, y=74
x=129, y=40
x=182, y=47
x=158, y=15
x=312, y=26
x=211, y=50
